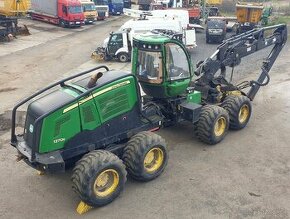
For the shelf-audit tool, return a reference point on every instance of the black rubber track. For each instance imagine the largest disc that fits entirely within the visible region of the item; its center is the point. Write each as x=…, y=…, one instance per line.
x=204, y=127
x=86, y=171
x=233, y=105
x=135, y=151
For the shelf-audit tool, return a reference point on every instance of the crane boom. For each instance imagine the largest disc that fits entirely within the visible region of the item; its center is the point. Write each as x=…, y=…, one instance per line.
x=230, y=53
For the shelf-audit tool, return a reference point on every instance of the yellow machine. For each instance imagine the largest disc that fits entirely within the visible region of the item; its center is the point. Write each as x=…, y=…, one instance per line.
x=14, y=7
x=90, y=12
x=248, y=15
x=214, y=2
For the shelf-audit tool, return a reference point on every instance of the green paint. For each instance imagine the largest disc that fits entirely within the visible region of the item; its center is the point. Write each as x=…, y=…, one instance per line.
x=176, y=88
x=194, y=97
x=116, y=101
x=90, y=118
x=58, y=128
x=152, y=39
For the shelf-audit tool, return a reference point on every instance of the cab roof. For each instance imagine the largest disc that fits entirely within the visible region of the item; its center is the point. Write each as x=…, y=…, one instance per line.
x=152, y=38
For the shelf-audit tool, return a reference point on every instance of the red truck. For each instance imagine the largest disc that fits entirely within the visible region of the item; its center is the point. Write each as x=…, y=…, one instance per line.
x=66, y=13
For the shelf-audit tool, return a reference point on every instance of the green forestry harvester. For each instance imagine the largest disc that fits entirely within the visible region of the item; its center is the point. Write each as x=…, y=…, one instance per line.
x=102, y=125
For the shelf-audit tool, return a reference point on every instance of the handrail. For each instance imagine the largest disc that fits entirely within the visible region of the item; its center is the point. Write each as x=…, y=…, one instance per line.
x=61, y=82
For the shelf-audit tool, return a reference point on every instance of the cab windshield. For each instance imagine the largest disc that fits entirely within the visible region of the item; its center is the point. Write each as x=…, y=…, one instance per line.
x=149, y=66
x=89, y=7
x=75, y=9
x=176, y=62
x=117, y=1
x=101, y=2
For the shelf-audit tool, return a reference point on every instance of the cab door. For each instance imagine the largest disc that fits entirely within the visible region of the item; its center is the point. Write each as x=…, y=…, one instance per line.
x=115, y=43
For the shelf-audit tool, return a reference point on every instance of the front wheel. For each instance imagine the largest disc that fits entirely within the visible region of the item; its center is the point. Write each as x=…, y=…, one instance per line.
x=99, y=177
x=212, y=125
x=145, y=156
x=123, y=57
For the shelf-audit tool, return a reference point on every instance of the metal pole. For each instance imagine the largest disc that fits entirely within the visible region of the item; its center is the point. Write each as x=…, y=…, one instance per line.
x=203, y=11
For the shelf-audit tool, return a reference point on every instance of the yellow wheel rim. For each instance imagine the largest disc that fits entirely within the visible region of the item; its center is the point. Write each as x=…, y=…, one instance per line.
x=244, y=113
x=153, y=160
x=220, y=126
x=106, y=183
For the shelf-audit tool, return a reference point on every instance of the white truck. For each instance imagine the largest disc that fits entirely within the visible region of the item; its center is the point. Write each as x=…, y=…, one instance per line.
x=119, y=44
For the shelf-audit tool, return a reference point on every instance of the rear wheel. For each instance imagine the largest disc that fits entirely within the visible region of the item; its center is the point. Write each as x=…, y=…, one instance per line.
x=239, y=109
x=145, y=156
x=212, y=125
x=99, y=177
x=123, y=57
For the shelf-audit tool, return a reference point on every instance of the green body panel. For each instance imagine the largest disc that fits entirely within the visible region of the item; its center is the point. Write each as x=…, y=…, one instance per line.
x=152, y=39
x=175, y=88
x=87, y=113
x=90, y=118
x=120, y=97
x=194, y=97
x=58, y=128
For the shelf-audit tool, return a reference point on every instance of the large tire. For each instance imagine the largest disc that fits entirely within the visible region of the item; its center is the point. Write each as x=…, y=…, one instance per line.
x=239, y=109
x=145, y=156
x=123, y=57
x=99, y=177
x=212, y=125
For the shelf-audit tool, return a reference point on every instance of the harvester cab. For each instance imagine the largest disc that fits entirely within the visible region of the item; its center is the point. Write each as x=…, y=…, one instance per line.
x=165, y=72
x=162, y=65
x=164, y=69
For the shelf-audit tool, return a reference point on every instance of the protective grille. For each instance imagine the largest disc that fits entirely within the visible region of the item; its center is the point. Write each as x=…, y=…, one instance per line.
x=88, y=114
x=114, y=103
x=101, y=14
x=59, y=123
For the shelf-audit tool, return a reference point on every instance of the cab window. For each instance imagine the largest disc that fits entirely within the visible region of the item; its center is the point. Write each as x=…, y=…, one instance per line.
x=149, y=66
x=176, y=62
x=117, y=38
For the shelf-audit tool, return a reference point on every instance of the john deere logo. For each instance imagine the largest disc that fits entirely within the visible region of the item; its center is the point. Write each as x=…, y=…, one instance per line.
x=31, y=128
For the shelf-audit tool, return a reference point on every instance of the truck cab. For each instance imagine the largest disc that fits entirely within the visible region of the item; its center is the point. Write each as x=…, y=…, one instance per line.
x=90, y=12
x=70, y=13
x=116, y=7
x=102, y=8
